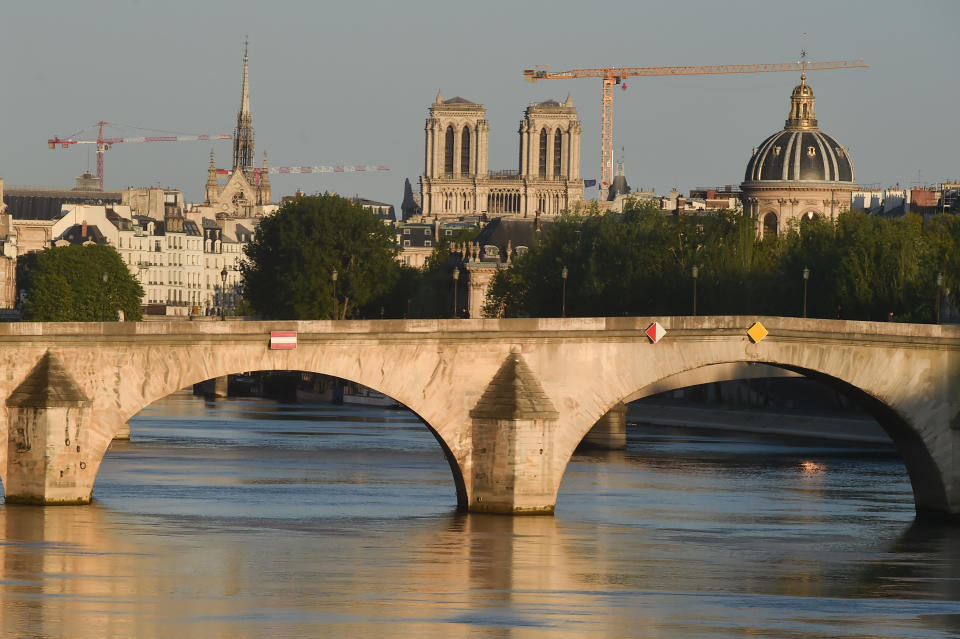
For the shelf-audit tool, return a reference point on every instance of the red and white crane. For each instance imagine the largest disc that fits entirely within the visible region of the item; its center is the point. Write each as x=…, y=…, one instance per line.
x=105, y=144
x=293, y=170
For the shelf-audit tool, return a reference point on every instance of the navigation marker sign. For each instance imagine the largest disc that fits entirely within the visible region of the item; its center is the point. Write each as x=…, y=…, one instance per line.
x=757, y=332
x=656, y=332
x=283, y=340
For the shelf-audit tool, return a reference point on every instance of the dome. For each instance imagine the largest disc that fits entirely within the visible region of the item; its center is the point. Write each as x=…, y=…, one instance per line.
x=800, y=152
x=788, y=156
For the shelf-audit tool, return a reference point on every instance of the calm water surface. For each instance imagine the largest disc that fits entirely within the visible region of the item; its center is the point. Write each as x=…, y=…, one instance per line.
x=246, y=518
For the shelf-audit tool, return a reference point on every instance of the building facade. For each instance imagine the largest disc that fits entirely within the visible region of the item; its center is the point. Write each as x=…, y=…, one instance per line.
x=457, y=182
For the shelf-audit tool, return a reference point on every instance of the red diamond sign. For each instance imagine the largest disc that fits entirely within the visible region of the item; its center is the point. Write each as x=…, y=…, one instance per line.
x=656, y=332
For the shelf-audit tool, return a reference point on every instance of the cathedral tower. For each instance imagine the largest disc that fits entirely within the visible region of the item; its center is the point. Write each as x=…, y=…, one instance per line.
x=243, y=133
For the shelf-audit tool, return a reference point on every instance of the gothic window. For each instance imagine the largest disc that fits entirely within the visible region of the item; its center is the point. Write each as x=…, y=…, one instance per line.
x=557, y=144
x=465, y=151
x=448, y=151
x=543, y=153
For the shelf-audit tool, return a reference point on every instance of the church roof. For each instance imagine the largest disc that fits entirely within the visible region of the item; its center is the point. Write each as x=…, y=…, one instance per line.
x=458, y=100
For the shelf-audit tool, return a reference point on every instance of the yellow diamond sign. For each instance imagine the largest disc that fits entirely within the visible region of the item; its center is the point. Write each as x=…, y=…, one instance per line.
x=757, y=332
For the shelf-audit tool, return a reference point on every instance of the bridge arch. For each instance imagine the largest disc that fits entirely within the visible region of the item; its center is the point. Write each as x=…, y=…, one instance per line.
x=927, y=481
x=189, y=378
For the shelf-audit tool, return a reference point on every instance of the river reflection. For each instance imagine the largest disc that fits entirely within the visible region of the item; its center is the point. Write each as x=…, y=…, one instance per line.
x=248, y=519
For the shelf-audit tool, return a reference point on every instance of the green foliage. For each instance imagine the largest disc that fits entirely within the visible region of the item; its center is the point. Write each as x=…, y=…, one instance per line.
x=66, y=284
x=640, y=263
x=290, y=262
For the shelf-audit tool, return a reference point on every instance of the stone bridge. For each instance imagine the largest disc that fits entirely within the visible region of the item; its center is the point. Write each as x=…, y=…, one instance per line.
x=508, y=400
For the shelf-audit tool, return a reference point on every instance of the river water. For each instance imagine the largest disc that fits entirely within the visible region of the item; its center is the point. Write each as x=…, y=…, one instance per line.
x=247, y=518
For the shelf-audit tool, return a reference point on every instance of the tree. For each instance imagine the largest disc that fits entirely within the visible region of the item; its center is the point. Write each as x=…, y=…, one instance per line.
x=79, y=283
x=639, y=263
x=290, y=265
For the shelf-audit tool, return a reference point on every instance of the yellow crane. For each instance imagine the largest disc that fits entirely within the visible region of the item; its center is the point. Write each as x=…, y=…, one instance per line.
x=616, y=75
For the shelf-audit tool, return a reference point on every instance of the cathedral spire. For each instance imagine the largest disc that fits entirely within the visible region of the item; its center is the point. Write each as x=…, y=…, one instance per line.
x=210, y=191
x=243, y=134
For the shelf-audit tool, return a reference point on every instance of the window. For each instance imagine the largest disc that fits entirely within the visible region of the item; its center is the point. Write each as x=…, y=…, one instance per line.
x=406, y=231
x=426, y=232
x=447, y=232
x=448, y=151
x=543, y=153
x=557, y=155
x=465, y=151
x=427, y=243
x=406, y=242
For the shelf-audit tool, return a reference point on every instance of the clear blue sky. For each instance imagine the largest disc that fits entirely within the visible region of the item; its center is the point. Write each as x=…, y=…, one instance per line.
x=350, y=83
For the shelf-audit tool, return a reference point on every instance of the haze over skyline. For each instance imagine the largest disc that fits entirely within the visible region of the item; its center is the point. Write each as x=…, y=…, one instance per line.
x=351, y=84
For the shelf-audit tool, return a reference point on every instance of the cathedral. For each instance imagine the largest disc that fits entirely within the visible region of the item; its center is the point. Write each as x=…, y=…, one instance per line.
x=799, y=172
x=247, y=190
x=457, y=182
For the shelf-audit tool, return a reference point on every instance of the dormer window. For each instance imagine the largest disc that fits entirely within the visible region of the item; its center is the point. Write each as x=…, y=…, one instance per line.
x=811, y=151
x=776, y=151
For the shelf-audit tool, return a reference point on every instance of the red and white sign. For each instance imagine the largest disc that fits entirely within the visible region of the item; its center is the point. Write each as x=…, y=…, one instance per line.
x=283, y=340
x=656, y=332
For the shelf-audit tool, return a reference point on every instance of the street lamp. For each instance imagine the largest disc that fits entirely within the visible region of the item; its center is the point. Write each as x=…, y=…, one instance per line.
x=456, y=277
x=223, y=294
x=939, y=288
x=806, y=278
x=563, y=292
x=103, y=306
x=333, y=276
x=695, y=271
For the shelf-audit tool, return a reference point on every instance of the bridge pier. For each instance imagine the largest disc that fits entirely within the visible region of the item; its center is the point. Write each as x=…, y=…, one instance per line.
x=513, y=424
x=610, y=431
x=48, y=420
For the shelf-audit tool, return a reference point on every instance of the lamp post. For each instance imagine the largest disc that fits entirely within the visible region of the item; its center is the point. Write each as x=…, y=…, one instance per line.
x=939, y=288
x=806, y=278
x=103, y=306
x=695, y=271
x=563, y=292
x=456, y=277
x=333, y=276
x=223, y=294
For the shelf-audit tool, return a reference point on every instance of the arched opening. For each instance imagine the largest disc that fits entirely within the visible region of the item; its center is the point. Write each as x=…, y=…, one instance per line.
x=557, y=153
x=448, y=151
x=306, y=432
x=770, y=225
x=865, y=425
x=465, y=151
x=542, y=172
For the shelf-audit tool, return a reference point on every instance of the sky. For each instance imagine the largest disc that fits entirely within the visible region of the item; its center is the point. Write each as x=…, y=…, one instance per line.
x=351, y=83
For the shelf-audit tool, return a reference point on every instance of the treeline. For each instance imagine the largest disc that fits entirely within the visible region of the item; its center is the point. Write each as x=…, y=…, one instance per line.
x=641, y=262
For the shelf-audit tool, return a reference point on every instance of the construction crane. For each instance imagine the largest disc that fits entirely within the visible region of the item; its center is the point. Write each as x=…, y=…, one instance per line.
x=105, y=144
x=293, y=170
x=616, y=75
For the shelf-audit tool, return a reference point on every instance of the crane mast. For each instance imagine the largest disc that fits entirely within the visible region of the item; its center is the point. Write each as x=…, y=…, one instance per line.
x=612, y=76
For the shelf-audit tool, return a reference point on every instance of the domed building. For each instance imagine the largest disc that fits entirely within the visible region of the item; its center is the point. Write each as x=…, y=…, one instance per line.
x=799, y=172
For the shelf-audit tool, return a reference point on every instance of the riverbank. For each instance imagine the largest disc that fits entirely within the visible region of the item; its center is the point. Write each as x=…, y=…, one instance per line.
x=793, y=424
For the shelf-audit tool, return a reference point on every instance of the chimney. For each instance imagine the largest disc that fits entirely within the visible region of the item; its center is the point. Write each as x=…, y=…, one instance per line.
x=83, y=230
